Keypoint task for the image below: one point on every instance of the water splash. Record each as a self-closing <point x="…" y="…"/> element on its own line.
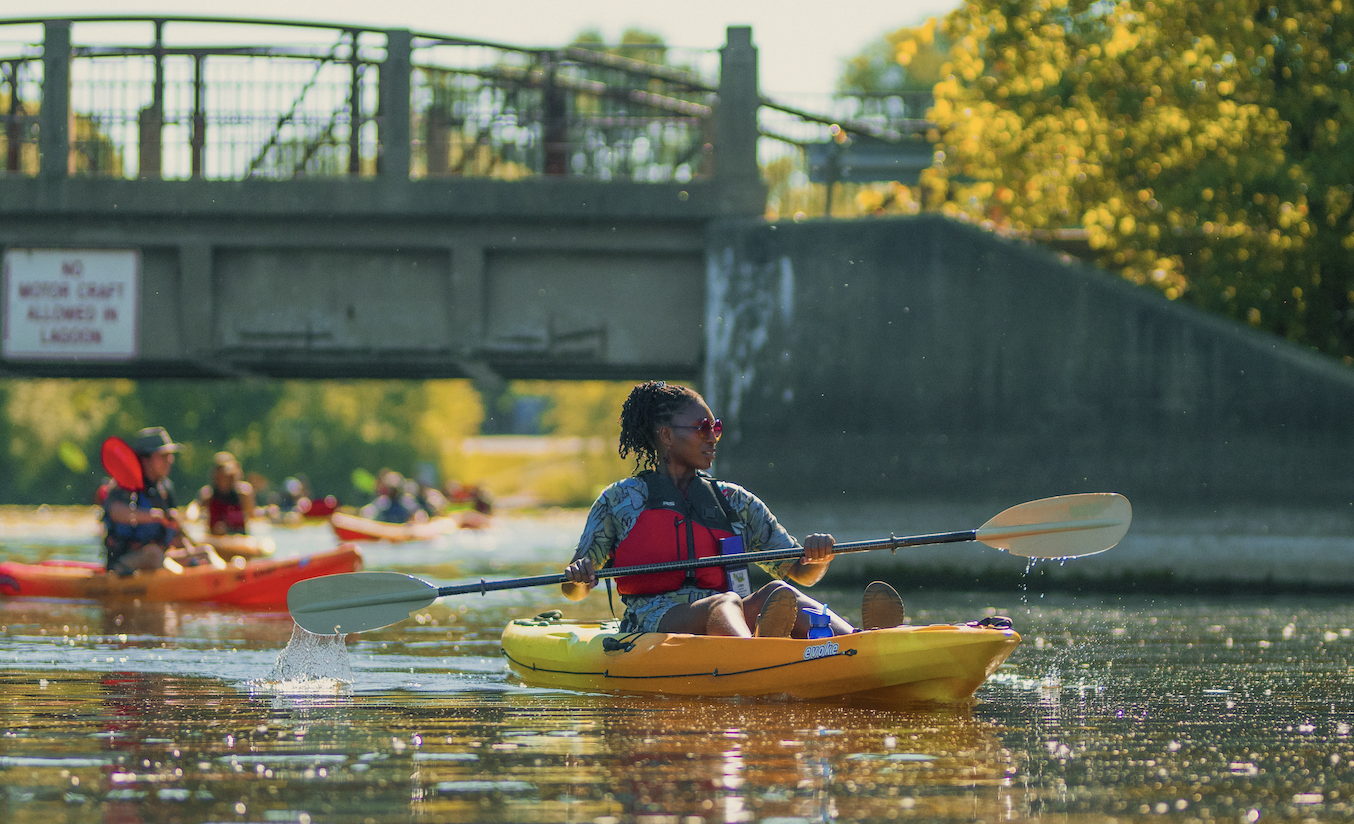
<point x="310" y="664"/>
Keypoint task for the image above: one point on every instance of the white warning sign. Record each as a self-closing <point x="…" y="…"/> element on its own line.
<point x="71" y="304"/>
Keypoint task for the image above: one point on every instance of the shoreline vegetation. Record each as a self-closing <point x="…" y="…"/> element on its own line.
<point x="542" y="442"/>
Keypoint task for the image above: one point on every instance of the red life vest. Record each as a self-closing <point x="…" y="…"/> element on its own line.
<point x="226" y="508"/>
<point x="674" y="527"/>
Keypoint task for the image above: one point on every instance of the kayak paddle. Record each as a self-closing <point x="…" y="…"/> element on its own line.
<point x="121" y="464"/>
<point x="1068" y="526"/>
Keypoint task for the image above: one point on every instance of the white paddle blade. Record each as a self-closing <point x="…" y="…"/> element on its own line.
<point x="1068" y="526"/>
<point x="356" y="601"/>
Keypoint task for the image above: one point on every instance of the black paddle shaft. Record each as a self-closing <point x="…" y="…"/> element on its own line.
<point x="737" y="559"/>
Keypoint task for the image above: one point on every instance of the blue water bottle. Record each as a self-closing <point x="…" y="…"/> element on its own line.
<point x="820" y="622"/>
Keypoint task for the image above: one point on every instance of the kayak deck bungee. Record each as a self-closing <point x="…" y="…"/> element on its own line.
<point x="262" y="583"/>
<point x="942" y="662"/>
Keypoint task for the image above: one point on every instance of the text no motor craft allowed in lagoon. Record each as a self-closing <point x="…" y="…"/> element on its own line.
<point x="71" y="303"/>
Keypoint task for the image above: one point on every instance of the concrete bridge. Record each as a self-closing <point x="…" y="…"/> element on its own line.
<point x="382" y="204"/>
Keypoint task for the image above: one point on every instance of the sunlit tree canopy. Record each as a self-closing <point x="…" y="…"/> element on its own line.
<point x="1205" y="147"/>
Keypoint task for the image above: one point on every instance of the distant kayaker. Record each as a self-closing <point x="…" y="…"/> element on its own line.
<point x="229" y="498"/>
<point x="393" y="505"/>
<point x="671" y="509"/>
<point x="141" y="526"/>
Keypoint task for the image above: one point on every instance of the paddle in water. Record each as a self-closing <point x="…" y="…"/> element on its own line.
<point x="1068" y="526"/>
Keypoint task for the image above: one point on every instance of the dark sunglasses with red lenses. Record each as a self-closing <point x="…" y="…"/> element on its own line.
<point x="704" y="427"/>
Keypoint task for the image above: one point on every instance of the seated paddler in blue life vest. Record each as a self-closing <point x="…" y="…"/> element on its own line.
<point x="393" y="505"/>
<point x="141" y="526"/>
<point x="673" y="510"/>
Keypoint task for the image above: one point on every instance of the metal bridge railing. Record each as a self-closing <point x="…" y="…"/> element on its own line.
<point x="571" y="112"/>
<point x="159" y="105"/>
<point x="233" y="99"/>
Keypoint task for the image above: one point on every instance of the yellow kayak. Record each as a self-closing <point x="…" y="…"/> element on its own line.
<point x="940" y="662"/>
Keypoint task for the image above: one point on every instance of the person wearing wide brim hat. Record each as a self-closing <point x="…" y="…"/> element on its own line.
<point x="141" y="525"/>
<point x="153" y="440"/>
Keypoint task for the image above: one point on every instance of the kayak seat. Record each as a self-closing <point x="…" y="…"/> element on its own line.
<point x="993" y="622"/>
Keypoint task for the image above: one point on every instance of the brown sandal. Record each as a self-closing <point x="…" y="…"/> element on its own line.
<point x="778" y="615"/>
<point x="881" y="607"/>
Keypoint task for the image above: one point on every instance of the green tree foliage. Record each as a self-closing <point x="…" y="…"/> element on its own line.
<point x="1205" y="147"/>
<point x="636" y="44"/>
<point x="51" y="430"/>
<point x="907" y="60"/>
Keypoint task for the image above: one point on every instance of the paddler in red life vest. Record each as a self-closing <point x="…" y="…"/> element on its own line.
<point x="673" y="510"/>
<point x="228" y="499"/>
<point x="142" y="525"/>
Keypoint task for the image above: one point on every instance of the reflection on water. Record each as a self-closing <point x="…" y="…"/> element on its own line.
<point x="1183" y="710"/>
<point x="146" y="747"/>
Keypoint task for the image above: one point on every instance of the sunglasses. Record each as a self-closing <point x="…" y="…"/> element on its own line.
<point x="704" y="427"/>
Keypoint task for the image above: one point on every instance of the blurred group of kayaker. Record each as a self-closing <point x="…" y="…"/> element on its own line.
<point x="143" y="526"/>
<point x="401" y="500"/>
<point x="673" y="510"/>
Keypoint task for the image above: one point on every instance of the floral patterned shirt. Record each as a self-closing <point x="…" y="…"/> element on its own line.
<point x="619" y="506"/>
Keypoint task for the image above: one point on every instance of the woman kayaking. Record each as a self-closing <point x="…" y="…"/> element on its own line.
<point x="229" y="498"/>
<point x="673" y="510"/>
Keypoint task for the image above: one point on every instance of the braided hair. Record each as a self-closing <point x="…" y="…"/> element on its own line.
<point x="649" y="406"/>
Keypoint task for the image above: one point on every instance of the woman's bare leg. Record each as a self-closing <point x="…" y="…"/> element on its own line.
<point x="721" y="614"/>
<point x="752" y="607"/>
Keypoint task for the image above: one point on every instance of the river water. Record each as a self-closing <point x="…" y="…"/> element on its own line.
<point x="1128" y="706"/>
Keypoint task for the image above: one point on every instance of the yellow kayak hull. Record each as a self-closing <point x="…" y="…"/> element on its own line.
<point x="942" y="662"/>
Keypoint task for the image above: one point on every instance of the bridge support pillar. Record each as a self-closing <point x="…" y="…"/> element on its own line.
<point x="394" y="130"/>
<point x="196" y="314"/>
<point x="54" y="139"/>
<point x="736" y="172"/>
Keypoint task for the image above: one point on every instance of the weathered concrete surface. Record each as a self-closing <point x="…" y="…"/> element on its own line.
<point x="417" y="279"/>
<point x="919" y="358"/>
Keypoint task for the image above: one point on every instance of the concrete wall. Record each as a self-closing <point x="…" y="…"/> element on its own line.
<point x="923" y="358"/>
<point x="418" y="279"/>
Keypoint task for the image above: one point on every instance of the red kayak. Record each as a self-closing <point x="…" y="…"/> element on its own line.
<point x="262" y="583"/>
<point x="354" y="528"/>
<point x="317" y="509"/>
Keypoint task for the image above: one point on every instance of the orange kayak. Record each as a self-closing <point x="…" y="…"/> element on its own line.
<point x="262" y="583"/>
<point x="354" y="528"/>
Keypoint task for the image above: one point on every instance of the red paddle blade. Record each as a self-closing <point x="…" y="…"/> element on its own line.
<point x="121" y="463"/>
